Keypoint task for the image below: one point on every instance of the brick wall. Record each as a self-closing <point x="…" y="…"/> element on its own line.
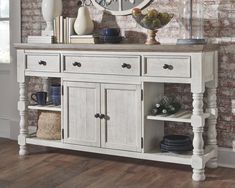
<point x="219" y="25"/>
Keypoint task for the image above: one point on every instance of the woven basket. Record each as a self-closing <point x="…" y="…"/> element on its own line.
<point x="49" y="125"/>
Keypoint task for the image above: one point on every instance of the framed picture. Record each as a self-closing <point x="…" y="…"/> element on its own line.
<point x="119" y="7"/>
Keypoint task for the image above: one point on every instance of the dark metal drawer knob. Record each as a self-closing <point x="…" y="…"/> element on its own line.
<point x="77" y="64"/>
<point x="125" y="65"/>
<point x="44" y="63"/>
<point x="102" y="116"/>
<point x="166" y="66"/>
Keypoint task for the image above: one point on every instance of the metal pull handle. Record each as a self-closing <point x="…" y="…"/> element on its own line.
<point x="44" y="63"/>
<point x="125" y="65"/>
<point x="77" y="64"/>
<point x="166" y="66"/>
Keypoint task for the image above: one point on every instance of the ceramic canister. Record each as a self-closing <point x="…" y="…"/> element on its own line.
<point x="51" y="9"/>
<point x="83" y="24"/>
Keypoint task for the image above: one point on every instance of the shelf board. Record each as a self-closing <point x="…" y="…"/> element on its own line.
<point x="154" y="155"/>
<point x="46" y="107"/>
<point x="181" y="116"/>
<point x="157" y="155"/>
<point x="43" y="142"/>
<point x="183" y="158"/>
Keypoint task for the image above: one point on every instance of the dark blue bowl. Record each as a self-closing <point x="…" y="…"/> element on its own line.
<point x="110" y="32"/>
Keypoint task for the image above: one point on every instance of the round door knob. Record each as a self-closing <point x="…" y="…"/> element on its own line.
<point x="97" y="115"/>
<point x="77" y="64"/>
<point x="102" y="116"/>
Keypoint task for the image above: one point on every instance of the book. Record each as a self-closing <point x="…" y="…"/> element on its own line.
<point x="65" y="31"/>
<point x="84" y="39"/>
<point x="41" y="39"/>
<point x="69" y="23"/>
<point x="57" y="29"/>
<point x="63" y="28"/>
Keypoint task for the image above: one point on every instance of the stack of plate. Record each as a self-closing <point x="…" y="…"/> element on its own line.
<point x="176" y="144"/>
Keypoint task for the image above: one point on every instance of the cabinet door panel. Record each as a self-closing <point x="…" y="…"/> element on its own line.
<point x="121" y="128"/>
<point x="82" y="102"/>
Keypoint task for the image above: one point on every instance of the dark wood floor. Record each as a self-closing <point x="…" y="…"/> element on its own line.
<point x="67" y="169"/>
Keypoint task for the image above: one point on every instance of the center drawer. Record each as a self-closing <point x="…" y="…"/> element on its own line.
<point x="93" y="64"/>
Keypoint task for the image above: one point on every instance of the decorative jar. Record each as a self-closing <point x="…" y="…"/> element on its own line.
<point x="50" y="10"/>
<point x="191" y="22"/>
<point x="83" y="24"/>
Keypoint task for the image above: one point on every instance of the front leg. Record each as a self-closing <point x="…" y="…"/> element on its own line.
<point x="198" y="123"/>
<point x="212" y="120"/>
<point x="23" y="111"/>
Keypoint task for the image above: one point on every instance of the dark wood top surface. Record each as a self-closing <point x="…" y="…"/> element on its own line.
<point x="119" y="47"/>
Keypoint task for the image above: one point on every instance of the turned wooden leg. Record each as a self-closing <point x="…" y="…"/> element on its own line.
<point x="212" y="120"/>
<point x="198" y="123"/>
<point x="23" y="111"/>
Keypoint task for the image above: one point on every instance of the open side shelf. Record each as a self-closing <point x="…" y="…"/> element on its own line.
<point x="49" y="107"/>
<point x="182" y="158"/>
<point x="181" y="116"/>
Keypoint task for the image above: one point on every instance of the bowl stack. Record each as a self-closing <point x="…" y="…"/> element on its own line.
<point x="176" y="144"/>
<point x="110" y="35"/>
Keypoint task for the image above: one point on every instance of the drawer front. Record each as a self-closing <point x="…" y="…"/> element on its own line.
<point x="167" y="66"/>
<point x="91" y="64"/>
<point x="40" y="62"/>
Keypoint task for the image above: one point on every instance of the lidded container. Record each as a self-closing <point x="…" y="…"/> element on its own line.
<point x="191" y="22"/>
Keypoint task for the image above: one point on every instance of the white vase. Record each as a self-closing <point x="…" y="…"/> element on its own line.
<point x="83" y="24"/>
<point x="50" y="10"/>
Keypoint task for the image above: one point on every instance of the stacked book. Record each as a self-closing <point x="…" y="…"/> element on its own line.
<point x="63" y="29"/>
<point x="41" y="39"/>
<point x="84" y="39"/>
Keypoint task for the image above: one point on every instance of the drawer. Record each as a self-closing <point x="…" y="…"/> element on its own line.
<point x="43" y="62"/>
<point x="92" y="64"/>
<point x="167" y="66"/>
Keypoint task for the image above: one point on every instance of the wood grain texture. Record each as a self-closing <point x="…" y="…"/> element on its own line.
<point x="121" y="128"/>
<point x="179" y="67"/>
<point x="120" y="47"/>
<point x="62" y="169"/>
<point x="81" y="103"/>
<point x="102" y="64"/>
<point x="52" y="62"/>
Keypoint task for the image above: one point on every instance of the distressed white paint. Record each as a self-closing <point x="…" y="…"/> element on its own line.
<point x="115" y="94"/>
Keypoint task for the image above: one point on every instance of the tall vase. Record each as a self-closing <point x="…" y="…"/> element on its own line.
<point x="83" y="24"/>
<point x="50" y="10"/>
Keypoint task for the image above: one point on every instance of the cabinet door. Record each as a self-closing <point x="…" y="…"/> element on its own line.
<point x="121" y="127"/>
<point x="81" y="103"/>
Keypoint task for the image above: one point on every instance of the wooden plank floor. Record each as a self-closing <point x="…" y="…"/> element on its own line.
<point x="67" y="169"/>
